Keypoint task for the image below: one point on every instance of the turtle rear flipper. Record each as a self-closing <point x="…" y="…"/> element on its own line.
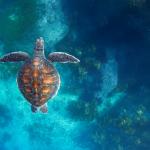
<point x="62" y="58"/>
<point x="44" y="108"/>
<point x="15" y="56"/>
<point x="34" y="109"/>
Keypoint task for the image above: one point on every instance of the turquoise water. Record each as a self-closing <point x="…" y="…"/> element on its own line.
<point x="103" y="102"/>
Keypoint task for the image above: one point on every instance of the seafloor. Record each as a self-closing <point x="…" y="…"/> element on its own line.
<point x="104" y="101"/>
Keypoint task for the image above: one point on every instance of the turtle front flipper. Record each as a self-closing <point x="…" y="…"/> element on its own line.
<point x="15" y="56"/>
<point x="62" y="58"/>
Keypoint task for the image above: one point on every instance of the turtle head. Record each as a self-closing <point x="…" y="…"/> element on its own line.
<point x="39" y="44"/>
<point x="39" y="47"/>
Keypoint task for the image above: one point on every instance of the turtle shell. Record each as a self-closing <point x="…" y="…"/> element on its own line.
<point x="38" y="81"/>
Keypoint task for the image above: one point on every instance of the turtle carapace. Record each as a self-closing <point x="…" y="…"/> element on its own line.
<point x="38" y="80"/>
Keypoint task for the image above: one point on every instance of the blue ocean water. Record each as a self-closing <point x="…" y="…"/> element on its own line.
<point x="103" y="102"/>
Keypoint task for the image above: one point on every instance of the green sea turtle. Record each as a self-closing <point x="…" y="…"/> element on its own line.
<point x="38" y="80"/>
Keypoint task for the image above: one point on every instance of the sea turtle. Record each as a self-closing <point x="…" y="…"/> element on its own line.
<point x="38" y="80"/>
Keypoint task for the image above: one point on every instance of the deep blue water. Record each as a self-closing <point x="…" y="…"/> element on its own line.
<point x="104" y="101"/>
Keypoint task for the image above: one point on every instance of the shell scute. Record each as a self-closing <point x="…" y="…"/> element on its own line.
<point x="38" y="81"/>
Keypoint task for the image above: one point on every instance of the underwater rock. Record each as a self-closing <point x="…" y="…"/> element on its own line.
<point x="109" y="75"/>
<point x="92" y="63"/>
<point x="122" y="122"/>
<point x="82" y="111"/>
<point x="24" y="21"/>
<point x="52" y="23"/>
<point x="110" y="102"/>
